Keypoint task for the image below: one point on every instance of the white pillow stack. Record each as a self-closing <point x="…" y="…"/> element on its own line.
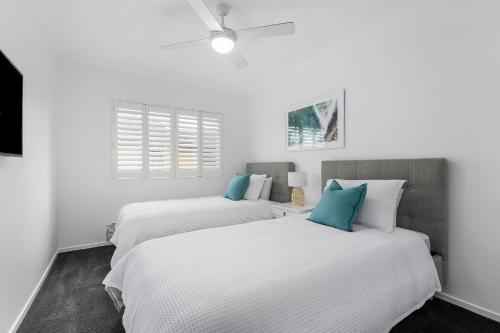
<point x="379" y="211"/>
<point x="265" y="193"/>
<point x="254" y="187"/>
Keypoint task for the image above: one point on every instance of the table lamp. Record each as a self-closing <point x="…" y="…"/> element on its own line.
<point x="297" y="180"/>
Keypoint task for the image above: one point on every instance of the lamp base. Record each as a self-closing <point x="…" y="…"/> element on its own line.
<point x="298" y="197"/>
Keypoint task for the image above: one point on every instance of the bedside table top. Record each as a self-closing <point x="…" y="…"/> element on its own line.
<point x="299" y="209"/>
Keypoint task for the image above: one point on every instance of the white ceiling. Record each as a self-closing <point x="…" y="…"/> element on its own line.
<point x="128" y="33"/>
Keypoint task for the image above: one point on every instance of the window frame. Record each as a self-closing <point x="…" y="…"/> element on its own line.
<point x="174" y="172"/>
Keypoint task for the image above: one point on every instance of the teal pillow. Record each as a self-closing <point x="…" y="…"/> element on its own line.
<point x="237" y="187"/>
<point x="338" y="208"/>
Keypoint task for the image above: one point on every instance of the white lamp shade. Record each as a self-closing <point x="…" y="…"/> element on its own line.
<point x="297" y="179"/>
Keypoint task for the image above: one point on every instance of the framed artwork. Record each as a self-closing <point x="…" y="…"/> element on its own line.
<point x="317" y="123"/>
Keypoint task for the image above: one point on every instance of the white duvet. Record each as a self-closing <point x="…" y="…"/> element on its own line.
<point x="142" y="221"/>
<point x="284" y="275"/>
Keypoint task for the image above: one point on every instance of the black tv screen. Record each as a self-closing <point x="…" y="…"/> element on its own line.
<point x="11" y="108"/>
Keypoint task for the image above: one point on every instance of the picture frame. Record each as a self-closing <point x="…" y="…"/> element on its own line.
<point x="316" y="123"/>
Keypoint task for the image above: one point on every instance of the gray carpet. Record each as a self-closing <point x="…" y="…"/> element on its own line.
<point x="72" y="299"/>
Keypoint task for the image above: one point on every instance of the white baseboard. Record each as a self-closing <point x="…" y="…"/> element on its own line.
<point x="83" y="246"/>
<point x="32" y="297"/>
<point x="469" y="306"/>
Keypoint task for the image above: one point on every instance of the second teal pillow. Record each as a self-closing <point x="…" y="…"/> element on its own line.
<point x="237" y="187"/>
<point x="338" y="208"/>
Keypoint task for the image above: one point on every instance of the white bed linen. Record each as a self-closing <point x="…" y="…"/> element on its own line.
<point x="426" y="238"/>
<point x="284" y="275"/>
<point x="142" y="221"/>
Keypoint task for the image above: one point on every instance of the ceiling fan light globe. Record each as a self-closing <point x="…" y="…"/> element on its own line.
<point x="222" y="44"/>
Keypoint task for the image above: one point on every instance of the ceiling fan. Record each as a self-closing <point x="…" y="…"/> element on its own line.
<point x="224" y="39"/>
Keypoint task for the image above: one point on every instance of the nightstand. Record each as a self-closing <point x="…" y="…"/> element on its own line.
<point x="287" y="209"/>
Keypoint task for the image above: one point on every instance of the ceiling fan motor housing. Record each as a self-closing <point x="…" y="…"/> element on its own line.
<point x="226" y="32"/>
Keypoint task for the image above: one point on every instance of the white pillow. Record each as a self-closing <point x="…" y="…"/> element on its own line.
<point x="254" y="187"/>
<point x="265" y="193"/>
<point x="379" y="211"/>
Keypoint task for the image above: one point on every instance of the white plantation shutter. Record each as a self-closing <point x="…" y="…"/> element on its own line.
<point x="128" y="143"/>
<point x="187" y="142"/>
<point x="211" y="143"/>
<point x="160" y="141"/>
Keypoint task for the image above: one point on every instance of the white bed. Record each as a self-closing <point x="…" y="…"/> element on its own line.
<point x="280" y="275"/>
<point x="139" y="222"/>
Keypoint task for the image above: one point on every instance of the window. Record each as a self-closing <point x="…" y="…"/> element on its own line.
<point x="129" y="139"/>
<point x="160" y="142"/>
<point x="188" y="142"/>
<point x="211" y="134"/>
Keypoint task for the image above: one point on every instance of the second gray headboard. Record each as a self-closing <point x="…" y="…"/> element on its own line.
<point x="280" y="192"/>
<point x="423" y="205"/>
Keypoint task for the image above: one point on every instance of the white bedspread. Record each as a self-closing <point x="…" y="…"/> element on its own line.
<point x="284" y="275"/>
<point x="142" y="221"/>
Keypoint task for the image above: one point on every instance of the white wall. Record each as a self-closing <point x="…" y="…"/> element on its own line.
<point x="28" y="236"/>
<point x="87" y="196"/>
<point x="426" y="86"/>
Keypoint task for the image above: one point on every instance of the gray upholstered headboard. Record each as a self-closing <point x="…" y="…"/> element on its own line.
<point x="423" y="205"/>
<point x="280" y="192"/>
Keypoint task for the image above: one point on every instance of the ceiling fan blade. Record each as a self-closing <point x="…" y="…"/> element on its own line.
<point x="237" y="58"/>
<point x="279" y="29"/>
<point x="183" y="45"/>
<point x="205" y="14"/>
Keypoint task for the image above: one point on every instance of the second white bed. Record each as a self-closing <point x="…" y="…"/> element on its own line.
<point x="284" y="275"/>
<point x="142" y="221"/>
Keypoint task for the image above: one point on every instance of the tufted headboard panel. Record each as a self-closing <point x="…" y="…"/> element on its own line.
<point x="423" y="206"/>
<point x="280" y="192"/>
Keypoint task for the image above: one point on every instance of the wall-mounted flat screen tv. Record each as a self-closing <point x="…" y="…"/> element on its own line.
<point x="11" y="108"/>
